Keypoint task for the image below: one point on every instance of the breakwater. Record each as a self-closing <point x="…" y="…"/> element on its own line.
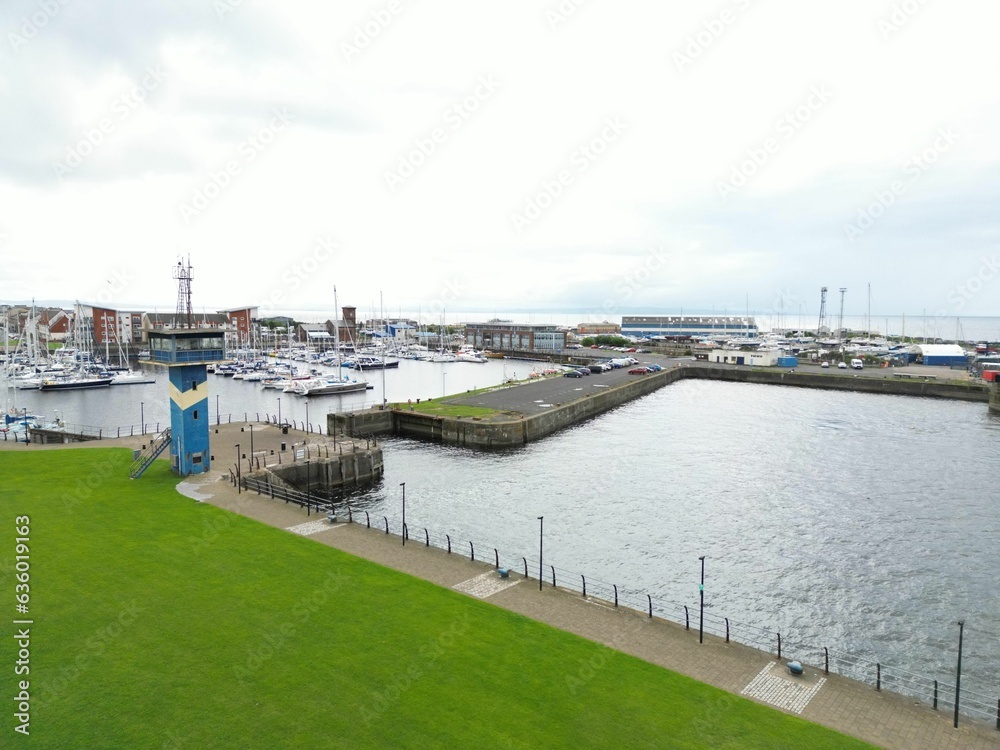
<point x="509" y="432"/>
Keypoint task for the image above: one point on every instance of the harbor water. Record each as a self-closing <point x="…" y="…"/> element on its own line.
<point x="863" y="523"/>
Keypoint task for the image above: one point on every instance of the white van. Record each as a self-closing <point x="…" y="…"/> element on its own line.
<point x="857" y="364"/>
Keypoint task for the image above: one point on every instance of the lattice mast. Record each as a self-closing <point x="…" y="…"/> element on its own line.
<point x="184" y="311"/>
<point x="840" y="321"/>
<point x="822" y="311"/>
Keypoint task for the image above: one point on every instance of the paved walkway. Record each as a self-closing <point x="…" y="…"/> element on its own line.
<point x="885" y="719"/>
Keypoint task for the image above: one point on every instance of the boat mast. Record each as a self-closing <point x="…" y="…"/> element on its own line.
<point x="385" y="331"/>
<point x="336" y="334"/>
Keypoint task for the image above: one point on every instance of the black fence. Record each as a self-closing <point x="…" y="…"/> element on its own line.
<point x="939" y="694"/>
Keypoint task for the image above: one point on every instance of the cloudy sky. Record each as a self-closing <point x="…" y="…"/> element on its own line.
<point x="587" y="155"/>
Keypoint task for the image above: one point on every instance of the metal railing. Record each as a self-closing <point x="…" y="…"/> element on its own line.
<point x="936" y="693"/>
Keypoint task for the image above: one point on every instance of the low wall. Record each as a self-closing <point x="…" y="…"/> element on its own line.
<point x="860" y="384"/>
<point x="995" y="398"/>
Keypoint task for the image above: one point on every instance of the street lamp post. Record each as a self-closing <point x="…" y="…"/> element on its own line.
<point x="251" y="446"/>
<point x="701" y="591"/>
<point x="218" y="419"/>
<point x="958" y="671"/>
<point x="142" y="416"/>
<point x="279" y="409"/>
<point x="239" y="489"/>
<point x="307" y="415"/>
<point x="541" y="525"/>
<point x="403" y="485"/>
<point x="308" y="487"/>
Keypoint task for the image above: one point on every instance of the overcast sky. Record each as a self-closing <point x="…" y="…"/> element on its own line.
<point x="605" y="157"/>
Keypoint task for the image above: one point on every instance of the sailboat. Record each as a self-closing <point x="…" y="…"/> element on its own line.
<point x="330" y="385"/>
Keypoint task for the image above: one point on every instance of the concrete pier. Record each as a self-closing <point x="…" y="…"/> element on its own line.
<point x="533" y="410"/>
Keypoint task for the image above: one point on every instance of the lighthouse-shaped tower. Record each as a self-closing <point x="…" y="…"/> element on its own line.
<point x="186" y="350"/>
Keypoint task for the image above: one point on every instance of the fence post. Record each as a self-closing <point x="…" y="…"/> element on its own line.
<point x="119" y="432"/>
<point x="406" y="531"/>
<point x="427" y="538"/>
<point x="386" y="524"/>
<point x="826" y="669"/>
<point x="525" y="561"/>
<point x="368" y="520"/>
<point x="448" y="537"/>
<point x="935" y="695"/>
<point x="584" y="586"/>
<point x="472" y="551"/>
<point x="496" y="558"/>
<point x="779" y="646"/>
<point x="616" y="593"/>
<point x="687" y="618"/>
<point x="878" y="676"/>
<point x="650" y="605"/>
<point x="350" y="515"/>
<point x="727" y="629"/>
<point x="553" y="575"/>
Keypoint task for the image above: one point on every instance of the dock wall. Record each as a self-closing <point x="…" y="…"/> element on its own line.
<point x="342" y="470"/>
<point x="995" y="398"/>
<point x="510" y="433"/>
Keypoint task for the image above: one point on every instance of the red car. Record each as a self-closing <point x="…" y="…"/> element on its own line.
<point x="638" y="371"/>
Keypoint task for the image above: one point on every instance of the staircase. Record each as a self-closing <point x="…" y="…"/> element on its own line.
<point x="146" y="458"/>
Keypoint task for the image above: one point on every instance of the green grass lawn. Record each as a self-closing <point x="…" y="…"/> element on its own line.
<point x="160" y="622"/>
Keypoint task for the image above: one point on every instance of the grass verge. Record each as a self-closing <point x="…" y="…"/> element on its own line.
<point x="162" y="622"/>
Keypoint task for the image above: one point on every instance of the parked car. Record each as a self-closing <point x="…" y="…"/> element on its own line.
<point x="825" y="365"/>
<point x="654" y="367"/>
<point x="638" y="371"/>
<point x="583" y="370"/>
<point x="842" y="365"/>
<point x="857" y="364"/>
<point x="596" y="369"/>
<point x="572" y="374"/>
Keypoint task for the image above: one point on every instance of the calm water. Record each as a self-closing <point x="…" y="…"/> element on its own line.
<point x="868" y="524"/>
<point x="130" y="404"/>
<point x="864" y="523"/>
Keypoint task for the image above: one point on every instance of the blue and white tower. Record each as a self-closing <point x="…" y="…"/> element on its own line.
<point x="186" y="351"/>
